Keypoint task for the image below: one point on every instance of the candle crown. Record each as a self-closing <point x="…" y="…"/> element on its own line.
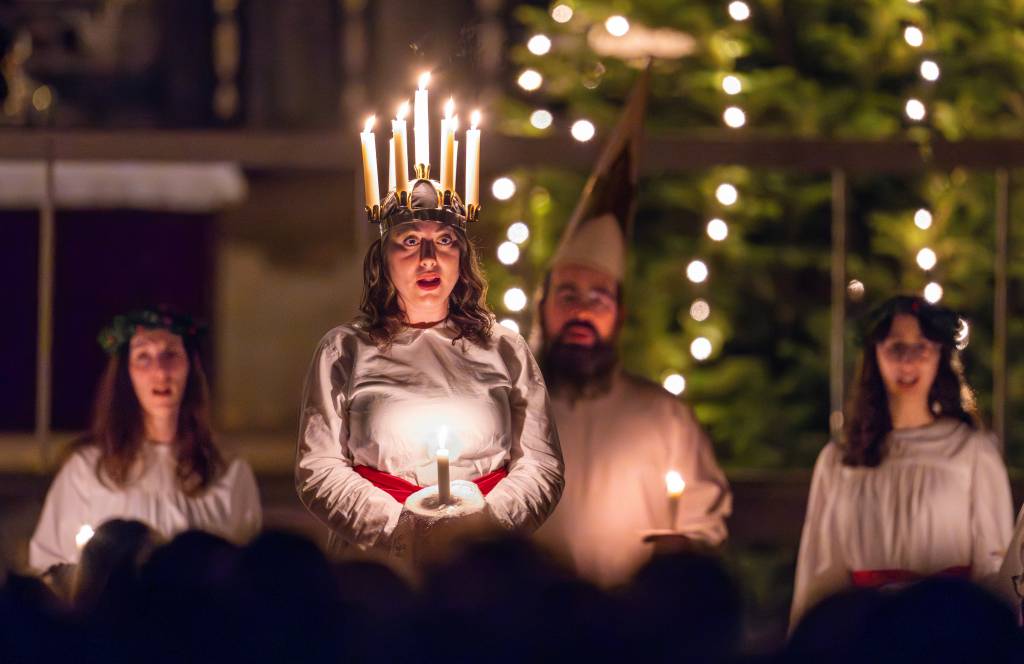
<point x="426" y="199"/>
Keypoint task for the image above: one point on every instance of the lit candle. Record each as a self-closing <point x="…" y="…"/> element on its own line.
<point x="83" y="535"/>
<point x="455" y="165"/>
<point x="448" y="147"/>
<point x="674" y="485"/>
<point x="444" y="489"/>
<point x="370" y="164"/>
<point x="391" y="164"/>
<point x="398" y="134"/>
<point x="421" y="123"/>
<point x="473" y="161"/>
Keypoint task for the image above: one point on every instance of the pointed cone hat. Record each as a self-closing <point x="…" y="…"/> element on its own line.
<point x="599" y="227"/>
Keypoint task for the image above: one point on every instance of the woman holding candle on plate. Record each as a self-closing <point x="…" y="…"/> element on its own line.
<point x="149" y="455"/>
<point x="915" y="488"/>
<point x="423" y="384"/>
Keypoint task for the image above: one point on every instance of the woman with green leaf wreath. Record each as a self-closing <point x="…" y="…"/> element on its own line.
<point x="149" y="455"/>
<point x="916" y="488"/>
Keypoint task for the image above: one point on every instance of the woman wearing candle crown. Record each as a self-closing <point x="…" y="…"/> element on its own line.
<point x="423" y="368"/>
<point x="150" y="454"/>
<point x="915" y="488"/>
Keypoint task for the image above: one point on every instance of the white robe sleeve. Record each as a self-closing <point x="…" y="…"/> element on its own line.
<point x="524" y="500"/>
<point x="991" y="510"/>
<point x="65" y="511"/>
<point x="820" y="567"/>
<point x="707" y="500"/>
<point x="1013" y="565"/>
<point x="329" y="487"/>
<point x="246" y="513"/>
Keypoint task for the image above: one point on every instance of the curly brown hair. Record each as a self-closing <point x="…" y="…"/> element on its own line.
<point x="117" y="427"/>
<point x="870" y="419"/>
<point x="381" y="314"/>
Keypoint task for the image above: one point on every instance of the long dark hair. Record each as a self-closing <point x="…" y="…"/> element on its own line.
<point x="118" y="431"/>
<point x="870" y="420"/>
<point x="382" y="317"/>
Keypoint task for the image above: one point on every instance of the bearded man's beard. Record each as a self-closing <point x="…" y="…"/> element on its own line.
<point x="577" y="371"/>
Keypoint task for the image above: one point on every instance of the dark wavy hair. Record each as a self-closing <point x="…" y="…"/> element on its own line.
<point x="118" y="431"/>
<point x="870" y="420"/>
<point x="381" y="314"/>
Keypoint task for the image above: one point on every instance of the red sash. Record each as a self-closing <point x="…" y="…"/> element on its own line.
<point x="879" y="578"/>
<point x="400" y="490"/>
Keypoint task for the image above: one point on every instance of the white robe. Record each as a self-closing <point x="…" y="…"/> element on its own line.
<point x="1013" y="565"/>
<point x="939" y="499"/>
<point x="230" y="507"/>
<point x="385" y="410"/>
<point x="618" y="448"/>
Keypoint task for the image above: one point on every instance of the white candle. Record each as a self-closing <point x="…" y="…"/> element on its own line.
<point x="674" y="485"/>
<point x="473" y="161"/>
<point x="448" y="147"/>
<point x="370" y="186"/>
<point x="391" y="164"/>
<point x="444" y="488"/>
<point x="398" y="134"/>
<point x="83" y="535"/>
<point x="455" y="165"/>
<point x="421" y="121"/>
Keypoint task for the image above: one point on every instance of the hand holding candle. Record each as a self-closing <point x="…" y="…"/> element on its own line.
<point x="443" y="479"/>
<point x="674" y="485"/>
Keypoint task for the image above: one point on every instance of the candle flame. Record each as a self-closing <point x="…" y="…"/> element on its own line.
<point x="454" y="123"/>
<point x="424" y="80"/>
<point x="474" y="119"/>
<point x="403" y="110"/>
<point x="449" y="108"/>
<point x="83" y="535"/>
<point x="370" y="121"/>
<point x="442" y="437"/>
<point x="674" y="483"/>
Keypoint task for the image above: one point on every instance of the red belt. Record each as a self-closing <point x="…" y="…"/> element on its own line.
<point x="879" y="578"/>
<point x="400" y="490"/>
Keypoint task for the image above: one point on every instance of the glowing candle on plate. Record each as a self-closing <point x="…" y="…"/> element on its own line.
<point x="674" y="485"/>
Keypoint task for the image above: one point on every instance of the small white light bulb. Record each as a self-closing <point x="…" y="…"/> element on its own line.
<point x="697" y="271"/>
<point x="674" y="383"/>
<point x="583" y="130"/>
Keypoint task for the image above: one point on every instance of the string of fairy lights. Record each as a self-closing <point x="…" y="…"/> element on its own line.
<point x="717" y="228"/>
<point x="503" y="188"/>
<point x="515" y="299"/>
<point x="916" y="111"/>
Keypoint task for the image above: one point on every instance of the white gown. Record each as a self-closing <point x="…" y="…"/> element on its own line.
<point x="940" y="499"/>
<point x="386" y="410"/>
<point x="1013" y="565"/>
<point x="230" y="507"/>
<point x="617" y="450"/>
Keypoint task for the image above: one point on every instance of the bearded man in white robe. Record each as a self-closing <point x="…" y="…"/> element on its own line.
<point x="620" y="434"/>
